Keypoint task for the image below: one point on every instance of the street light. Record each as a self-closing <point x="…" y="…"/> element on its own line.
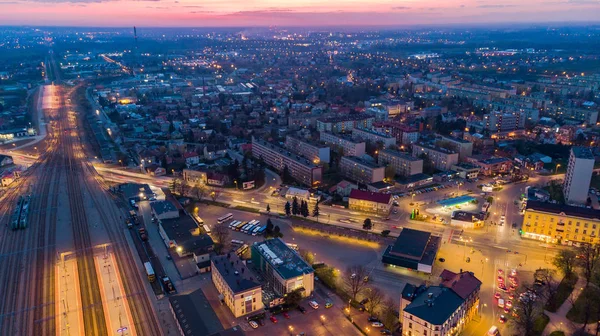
<point x="556" y="169"/>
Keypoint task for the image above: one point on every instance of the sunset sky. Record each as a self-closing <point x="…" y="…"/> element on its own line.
<point x="227" y="13"/>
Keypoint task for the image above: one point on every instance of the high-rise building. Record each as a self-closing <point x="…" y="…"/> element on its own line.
<point x="579" y="175"/>
<point x="504" y="121"/>
<point x="404" y="164"/>
<point x="443" y="159"/>
<point x="360" y="170"/>
<point x="344" y="142"/>
<point x="312" y="151"/>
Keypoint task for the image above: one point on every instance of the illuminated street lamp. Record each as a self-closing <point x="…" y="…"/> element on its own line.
<point x="556" y="169"/>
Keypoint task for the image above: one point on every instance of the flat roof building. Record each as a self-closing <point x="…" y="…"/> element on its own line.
<point x="348" y="146"/>
<point x="403" y="163"/>
<point x="579" y="175"/>
<point x="372" y="136"/>
<point x="300" y="168"/>
<point x="360" y="170"/>
<point x="443" y="159"/>
<point x="239" y="290"/>
<point x="283" y="267"/>
<point x="464" y="148"/>
<point x="413" y="249"/>
<point x="368" y="201"/>
<point x="312" y="151"/>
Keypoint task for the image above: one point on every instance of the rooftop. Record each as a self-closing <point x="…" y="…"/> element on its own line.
<point x="466" y="216"/>
<point x="161" y="207"/>
<point x="454" y="139"/>
<point x="379" y="134"/>
<point x="403" y="155"/>
<point x="434" y="148"/>
<point x="132" y="190"/>
<point x="360" y="161"/>
<point x="411" y="243"/>
<point x="194" y="314"/>
<point x="179" y="229"/>
<point x="282" y="258"/>
<point x="348" y="117"/>
<point x="370" y="196"/>
<point x="235" y="273"/>
<point x="494" y="160"/>
<point x="435" y="305"/>
<point x="283" y="151"/>
<point x="463" y="283"/>
<point x="582" y="153"/>
<point x="450" y="202"/>
<point x="567" y="210"/>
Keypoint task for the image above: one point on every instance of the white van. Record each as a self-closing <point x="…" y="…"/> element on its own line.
<point x="501" y="303"/>
<point x="493" y="331"/>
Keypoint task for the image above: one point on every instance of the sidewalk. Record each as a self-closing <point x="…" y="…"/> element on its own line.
<point x="559" y="321"/>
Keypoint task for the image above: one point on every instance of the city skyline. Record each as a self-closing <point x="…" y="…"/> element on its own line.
<point x="232" y="13"/>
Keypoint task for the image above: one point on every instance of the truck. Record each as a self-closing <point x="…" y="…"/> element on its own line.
<point x="143" y="234"/>
<point x="168" y="285"/>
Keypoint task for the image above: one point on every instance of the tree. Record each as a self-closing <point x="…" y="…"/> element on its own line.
<point x="368" y="224"/>
<point x="588" y="261"/>
<point x="389" y="314"/>
<point x="288" y="208"/>
<point x="307" y="256"/>
<point x="316" y="210"/>
<point x="175" y="183"/>
<point x="565" y="261"/>
<point x="295" y="207"/>
<point x="200" y="191"/>
<point x="353" y="280"/>
<point x="293" y="298"/>
<point x="221" y="233"/>
<point x="269" y="228"/>
<point x="428" y="166"/>
<point x="268" y="208"/>
<point x="276" y="231"/>
<point x="328" y="276"/>
<point x="376" y="297"/>
<point x="545" y="277"/>
<point x="285" y="175"/>
<point x="528" y="311"/>
<point x="215" y="193"/>
<point x="304" y="209"/>
<point x="385" y="233"/>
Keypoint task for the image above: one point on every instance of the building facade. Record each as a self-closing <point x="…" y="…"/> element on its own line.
<point x="372" y="136"/>
<point x="443" y="159"/>
<point x="404" y="164"/>
<point x="313" y="152"/>
<point x="560" y="224"/>
<point x="300" y="168"/>
<point x="346" y="143"/>
<point x="371" y="202"/>
<point x="504" y="121"/>
<point x="578" y="175"/>
<point x="464" y="148"/>
<point x="344" y="123"/>
<point x="238" y="290"/>
<point x="360" y="170"/>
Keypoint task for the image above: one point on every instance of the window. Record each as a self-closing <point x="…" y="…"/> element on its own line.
<point x="425" y="332"/>
<point x="551" y="220"/>
<point x="576" y="230"/>
<point x="578" y="223"/>
<point x="410" y="326"/>
<point x="584" y="231"/>
<point x="585" y="225"/>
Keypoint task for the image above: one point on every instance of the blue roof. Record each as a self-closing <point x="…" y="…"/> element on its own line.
<point x="450" y="202"/>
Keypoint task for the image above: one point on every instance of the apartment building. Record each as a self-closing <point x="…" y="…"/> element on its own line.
<point x="464" y="148"/>
<point x="504" y="121"/>
<point x="371" y="202"/>
<point x="282" y="267"/>
<point x="493" y="165"/>
<point x="589" y="116"/>
<point x="443" y="159"/>
<point x="373" y="136"/>
<point x="360" y="170"/>
<point x="404" y="134"/>
<point x="239" y="290"/>
<point x="345" y="123"/>
<point x="345" y="142"/>
<point x="560" y="224"/>
<point x="579" y="175"/>
<point x="312" y="151"/>
<point x="300" y="168"/>
<point x="404" y="164"/>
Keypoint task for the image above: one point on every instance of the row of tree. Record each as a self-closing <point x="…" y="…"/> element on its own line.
<point x="299" y="208"/>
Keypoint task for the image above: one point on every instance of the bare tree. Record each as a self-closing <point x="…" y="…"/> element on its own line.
<point x="588" y="261"/>
<point x="176" y="182"/>
<point x="307" y="256"/>
<point x="221" y="233"/>
<point x="353" y="280"/>
<point x="215" y="193"/>
<point x="544" y="278"/>
<point x="200" y="191"/>
<point x="528" y="309"/>
<point x="376" y="297"/>
<point x="565" y="261"/>
<point x="389" y="314"/>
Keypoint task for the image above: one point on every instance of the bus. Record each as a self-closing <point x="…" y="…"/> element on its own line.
<point x="206" y="228"/>
<point x="245" y="227"/>
<point x="240" y="226"/>
<point x="261" y="230"/>
<point x="241" y="250"/>
<point x="235" y="242"/>
<point x="150" y="271"/>
<point x="255" y="230"/>
<point x="233" y="224"/>
<point x="225" y="218"/>
<point x="250" y="229"/>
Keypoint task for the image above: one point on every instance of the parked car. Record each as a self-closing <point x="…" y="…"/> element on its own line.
<point x="373" y="319"/>
<point x="377" y="324"/>
<point x="286" y="315"/>
<point x="302" y="309"/>
<point x="313" y="304"/>
<point x="273" y="319"/>
<point x="253" y="324"/>
<point x="328" y="304"/>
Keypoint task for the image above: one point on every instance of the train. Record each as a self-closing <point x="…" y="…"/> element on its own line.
<point x="20" y="216"/>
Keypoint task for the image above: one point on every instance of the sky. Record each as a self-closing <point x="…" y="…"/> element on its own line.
<point x="244" y="13"/>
